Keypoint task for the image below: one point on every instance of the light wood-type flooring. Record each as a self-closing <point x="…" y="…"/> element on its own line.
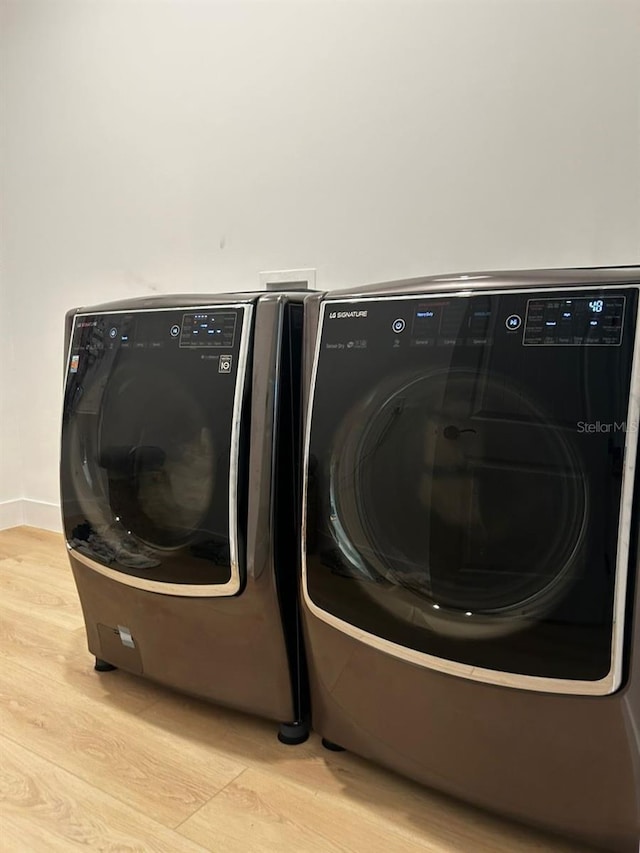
<point x="110" y="762"/>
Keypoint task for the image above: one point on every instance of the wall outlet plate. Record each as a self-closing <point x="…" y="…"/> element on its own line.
<point x="288" y="279"/>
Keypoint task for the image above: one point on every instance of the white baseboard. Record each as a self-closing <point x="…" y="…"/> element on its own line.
<point x="44" y="515"/>
<point x="31" y="513"/>
<point x="11" y="514"/>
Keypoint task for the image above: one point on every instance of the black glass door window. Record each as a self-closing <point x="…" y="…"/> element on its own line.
<point x="149" y="452"/>
<point x="464" y="475"/>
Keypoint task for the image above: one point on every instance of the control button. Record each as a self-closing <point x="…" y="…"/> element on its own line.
<point x="224" y="365"/>
<point x="113" y="332"/>
<point x="398" y="325"/>
<point x="175" y="331"/>
<point x="513" y="322"/>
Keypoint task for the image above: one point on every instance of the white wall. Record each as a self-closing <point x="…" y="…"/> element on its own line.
<point x="185" y="145"/>
<point x="10" y="458"/>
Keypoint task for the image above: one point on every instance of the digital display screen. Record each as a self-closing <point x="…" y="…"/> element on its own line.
<point x="587" y="321"/>
<point x="451" y="322"/>
<point x="426" y="322"/>
<point x="208" y="329"/>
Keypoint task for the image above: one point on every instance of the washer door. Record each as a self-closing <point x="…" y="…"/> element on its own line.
<point x="157" y="450"/>
<point x="151" y="448"/>
<point x="469" y="482"/>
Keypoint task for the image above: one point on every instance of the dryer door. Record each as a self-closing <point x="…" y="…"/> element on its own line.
<point x="466" y="504"/>
<point x="152" y="455"/>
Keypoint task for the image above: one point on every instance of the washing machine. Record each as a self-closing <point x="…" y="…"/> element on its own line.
<point x="180" y="496"/>
<point x="470" y="594"/>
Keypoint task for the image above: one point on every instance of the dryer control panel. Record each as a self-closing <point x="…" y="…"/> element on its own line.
<point x="589" y="321"/>
<point x="577" y="319"/>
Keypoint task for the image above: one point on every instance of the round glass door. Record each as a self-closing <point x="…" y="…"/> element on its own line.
<point x="148" y="456"/>
<point x="158" y="456"/>
<point x="477" y="511"/>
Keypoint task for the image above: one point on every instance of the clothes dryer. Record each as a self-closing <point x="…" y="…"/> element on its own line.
<point x="179" y="473"/>
<point x="470" y="588"/>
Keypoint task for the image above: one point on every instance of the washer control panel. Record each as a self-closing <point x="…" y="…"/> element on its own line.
<point x="208" y="329"/>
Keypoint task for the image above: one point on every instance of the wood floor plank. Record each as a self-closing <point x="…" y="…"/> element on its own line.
<point x="45" y="808"/>
<point x="30" y="641"/>
<point x="52" y="564"/>
<point x="266" y="814"/>
<point x="438" y="819"/>
<point x="164" y="774"/>
<point x="20" y="540"/>
<point x="47" y="557"/>
<point x="343" y="774"/>
<point x="27" y="586"/>
<point x="139" y="755"/>
<point x="235" y="735"/>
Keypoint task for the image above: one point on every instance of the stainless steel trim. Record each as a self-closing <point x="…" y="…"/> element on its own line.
<point x="175" y="589"/>
<point x="275" y="419"/>
<point x="235" y="582"/>
<point x="69" y="348"/>
<point x="189" y="308"/>
<point x="626" y="509"/>
<point x="612" y="681"/>
<point x="467" y="291"/>
<point x="233" y="585"/>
